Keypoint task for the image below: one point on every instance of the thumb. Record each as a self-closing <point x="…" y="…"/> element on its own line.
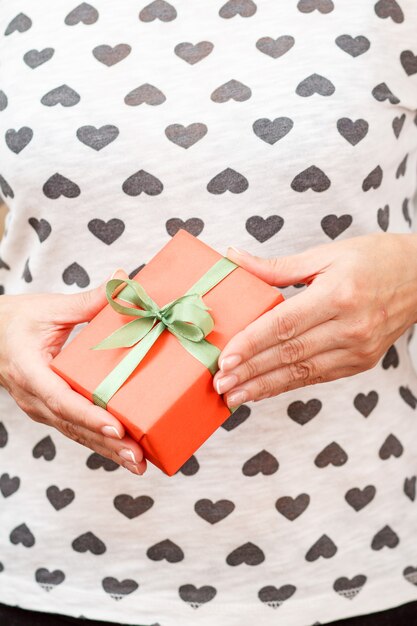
<point x="282" y="271"/>
<point x="83" y="306"/>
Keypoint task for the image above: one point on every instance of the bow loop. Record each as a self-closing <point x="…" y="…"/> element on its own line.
<point x="186" y="316"/>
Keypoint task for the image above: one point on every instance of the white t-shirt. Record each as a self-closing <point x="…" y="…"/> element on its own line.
<point x="271" y="126"/>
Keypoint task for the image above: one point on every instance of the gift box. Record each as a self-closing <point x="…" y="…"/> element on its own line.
<point x="167" y="403"/>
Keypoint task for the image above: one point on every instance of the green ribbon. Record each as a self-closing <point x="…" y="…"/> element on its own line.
<point x="186" y="317"/>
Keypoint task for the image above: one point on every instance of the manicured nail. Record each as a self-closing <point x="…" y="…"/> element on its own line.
<point x="237" y="397"/>
<point x="239" y="250"/>
<point x="119" y="269"/>
<point x="111" y="431"/>
<point x="225" y="383"/>
<point x="132" y="468"/>
<point x="229" y="362"/>
<point x="128" y="455"/>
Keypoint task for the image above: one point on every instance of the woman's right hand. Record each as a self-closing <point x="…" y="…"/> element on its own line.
<point x="33" y="328"/>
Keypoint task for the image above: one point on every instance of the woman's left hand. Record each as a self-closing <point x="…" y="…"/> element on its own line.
<point x="361" y="296"/>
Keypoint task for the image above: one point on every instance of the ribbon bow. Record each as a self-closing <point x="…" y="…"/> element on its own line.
<point x="186" y="317"/>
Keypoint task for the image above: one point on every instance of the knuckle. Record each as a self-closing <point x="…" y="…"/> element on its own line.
<point x="361" y="331"/>
<point x="70" y="430"/>
<point x="249" y="370"/>
<point x="344" y="296"/>
<point x="54" y="404"/>
<point x="291" y="351"/>
<point x="264" y="387"/>
<point x="252" y="342"/>
<point x="301" y="371"/>
<point x="284" y="327"/>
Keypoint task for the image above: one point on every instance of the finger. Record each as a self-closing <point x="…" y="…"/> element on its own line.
<point x="66" y="403"/>
<point x="123" y="451"/>
<point x="322" y="338"/>
<point x="127" y="451"/>
<point x="287" y="320"/>
<point x="321" y="368"/>
<point x="81" y="307"/>
<point x="283" y="270"/>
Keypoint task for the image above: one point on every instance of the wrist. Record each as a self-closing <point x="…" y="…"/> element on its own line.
<point x="408" y="251"/>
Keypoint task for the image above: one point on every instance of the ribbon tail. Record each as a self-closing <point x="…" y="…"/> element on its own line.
<point x="206" y="353"/>
<point x="121" y="372"/>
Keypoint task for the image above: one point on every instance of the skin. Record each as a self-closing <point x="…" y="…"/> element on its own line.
<point x="361" y="295"/>
<point x="34" y="327"/>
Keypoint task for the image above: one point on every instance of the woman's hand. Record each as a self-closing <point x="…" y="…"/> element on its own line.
<point x="361" y="296"/>
<point x="33" y="328"/>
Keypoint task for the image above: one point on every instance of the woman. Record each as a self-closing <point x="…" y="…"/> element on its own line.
<point x="283" y="129"/>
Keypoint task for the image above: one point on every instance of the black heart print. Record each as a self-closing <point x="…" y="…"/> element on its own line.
<point x="196" y="596"/>
<point x="75" y="274"/>
<point x="41" y="227"/>
<point x="89" y="542"/>
<point x="291" y="508"/>
<point x="118" y="589"/>
<point x="334" y="226"/>
<point x="58" y="185"/>
<point x="159" y="9"/>
<point x="142" y="182"/>
<point x="63" y="95"/>
<point x="315" y="84"/>
<point x="391" y="447"/>
<point x="96" y="461"/>
<point x="49" y="579"/>
<point x="382" y="92"/>
<point x="232" y="90"/>
<point x="352" y="131"/>
<point x="311" y="178"/>
<point x="97" y="138"/>
<point x="264" y="462"/>
<point x="302" y="412"/>
<point x="323" y="6"/>
<point x="365" y="403"/>
<point x="408" y="396"/>
<point x="83" y="13"/>
<point x="264" y="228"/>
<point x="132" y="507"/>
<point x="389" y="9"/>
<point x="332" y="454"/>
<point x="19" y="24"/>
<point x="108" y="232"/>
<point x="237" y="418"/>
<point x="349" y="587"/>
<point x="109" y="55"/>
<point x="45" y="448"/>
<point x="228" y="180"/>
<point x="323" y="547"/>
<point x="22" y="535"/>
<point x="385" y="537"/>
<point x="9" y="485"/>
<point x="193" y="225"/>
<point x="193" y="53"/>
<point x="145" y="94"/>
<point x="248" y="553"/>
<point x="359" y="498"/>
<point x="410" y="488"/>
<point x="213" y="512"/>
<point x="274" y="597"/>
<point x="355" y="46"/>
<point x="244" y="8"/>
<point x="35" y="58"/>
<point x="165" y="550"/>
<point x="59" y="498"/>
<point x="275" y="48"/>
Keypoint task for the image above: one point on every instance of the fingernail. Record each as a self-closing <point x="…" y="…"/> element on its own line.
<point x="237" y="397"/>
<point x="225" y="383"/>
<point x="229" y="362"/>
<point x="119" y="269"/>
<point x="111" y="431"/>
<point x="132" y="468"/>
<point x="128" y="455"/>
<point x="239" y="250"/>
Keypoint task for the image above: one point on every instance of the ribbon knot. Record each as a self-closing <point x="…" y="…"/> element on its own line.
<point x="186" y="316"/>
